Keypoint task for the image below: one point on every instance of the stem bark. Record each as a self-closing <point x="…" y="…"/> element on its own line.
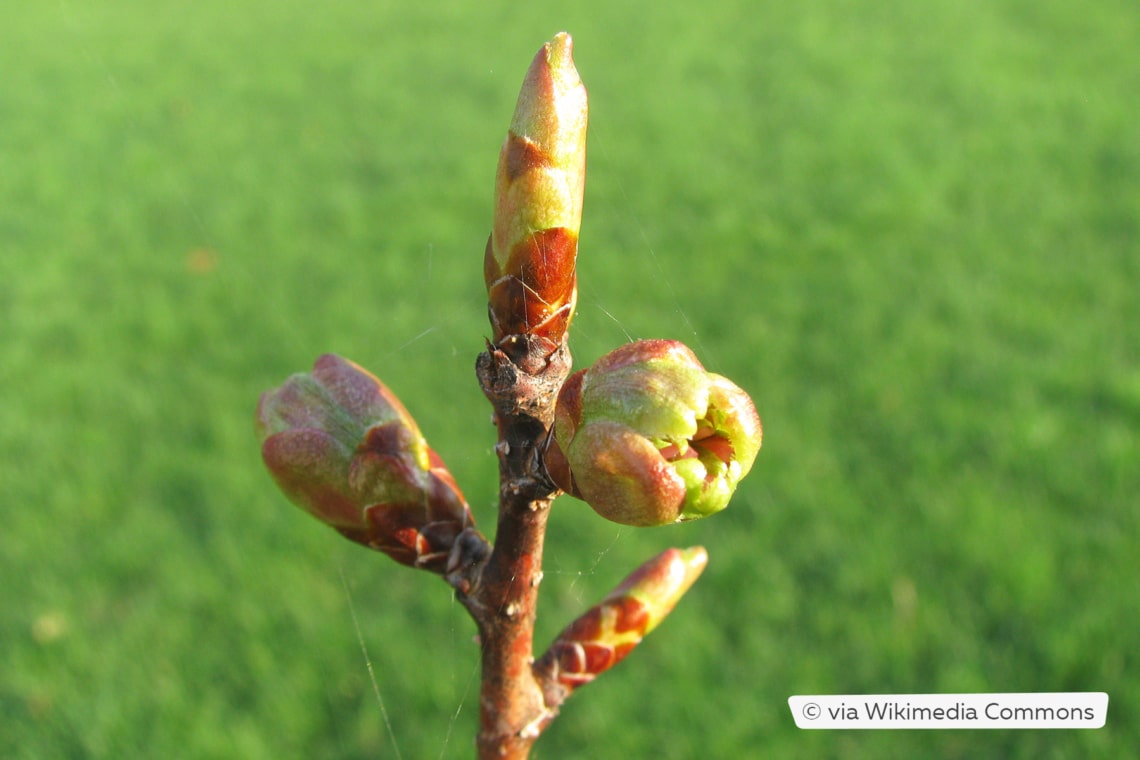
<point x="521" y="377"/>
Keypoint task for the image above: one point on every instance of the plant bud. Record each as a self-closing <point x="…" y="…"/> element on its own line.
<point x="529" y="263"/>
<point x="608" y="631"/>
<point x="646" y="436"/>
<point x="341" y="446"/>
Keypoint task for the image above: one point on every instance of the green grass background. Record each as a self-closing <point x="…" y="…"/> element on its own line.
<point x="909" y="230"/>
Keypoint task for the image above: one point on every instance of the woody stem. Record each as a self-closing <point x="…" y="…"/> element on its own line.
<point x="521" y="380"/>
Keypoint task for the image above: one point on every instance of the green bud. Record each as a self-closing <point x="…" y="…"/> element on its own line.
<point x="648" y="437"/>
<point x="341" y="446"/>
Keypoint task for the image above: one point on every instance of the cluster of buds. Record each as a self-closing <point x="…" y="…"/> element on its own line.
<point x="608" y="631"/>
<point x="343" y="448"/>
<point x="529" y="265"/>
<point x="647" y="436"/>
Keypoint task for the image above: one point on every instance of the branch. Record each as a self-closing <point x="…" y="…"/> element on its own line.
<point x="645" y="437"/>
<point x="512" y="706"/>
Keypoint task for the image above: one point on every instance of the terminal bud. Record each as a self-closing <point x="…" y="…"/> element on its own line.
<point x="529" y="265"/>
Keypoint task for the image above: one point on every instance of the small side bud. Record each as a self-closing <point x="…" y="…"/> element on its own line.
<point x="608" y="631"/>
<point x="530" y="258"/>
<point x="647" y="436"/>
<point x="341" y="446"/>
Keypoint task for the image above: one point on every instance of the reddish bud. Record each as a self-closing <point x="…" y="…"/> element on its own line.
<point x="529" y="262"/>
<point x="609" y="631"/>
<point x="341" y="446"/>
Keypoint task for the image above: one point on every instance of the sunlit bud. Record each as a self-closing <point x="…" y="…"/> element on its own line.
<point x="646" y="436"/>
<point x="529" y="263"/>
<point x="342" y="447"/>
<point x="608" y="631"/>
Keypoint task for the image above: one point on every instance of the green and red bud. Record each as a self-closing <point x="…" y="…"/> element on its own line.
<point x="529" y="263"/>
<point x="608" y="631"/>
<point x="341" y="446"/>
<point x="647" y="436"/>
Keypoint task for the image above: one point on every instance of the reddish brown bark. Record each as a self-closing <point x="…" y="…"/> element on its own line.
<point x="521" y="381"/>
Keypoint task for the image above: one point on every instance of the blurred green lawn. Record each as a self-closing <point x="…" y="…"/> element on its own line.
<point x="908" y="229"/>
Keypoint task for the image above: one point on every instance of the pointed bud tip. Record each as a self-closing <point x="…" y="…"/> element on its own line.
<point x="559" y="52"/>
<point x="552" y="107"/>
<point x="695" y="558"/>
<point x="684" y="567"/>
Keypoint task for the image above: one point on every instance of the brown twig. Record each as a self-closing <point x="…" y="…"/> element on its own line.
<point x="521" y="381"/>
